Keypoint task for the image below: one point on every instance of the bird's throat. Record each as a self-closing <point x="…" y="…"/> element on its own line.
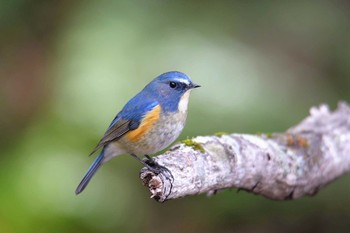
<point x="183" y="103"/>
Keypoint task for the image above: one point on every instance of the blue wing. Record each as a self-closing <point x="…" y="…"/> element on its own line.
<point x="129" y="118"/>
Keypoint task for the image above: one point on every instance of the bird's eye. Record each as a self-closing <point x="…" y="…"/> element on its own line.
<point x="172" y="84"/>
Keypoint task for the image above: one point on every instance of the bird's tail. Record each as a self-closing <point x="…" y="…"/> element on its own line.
<point x="90" y="173"/>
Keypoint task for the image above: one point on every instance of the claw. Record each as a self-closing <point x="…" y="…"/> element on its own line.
<point x="151" y="162"/>
<point x="155" y="167"/>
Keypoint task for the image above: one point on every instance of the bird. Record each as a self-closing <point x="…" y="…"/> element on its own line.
<point x="148" y="123"/>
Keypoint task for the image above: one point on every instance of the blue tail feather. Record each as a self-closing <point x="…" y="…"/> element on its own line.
<point x="90" y="173"/>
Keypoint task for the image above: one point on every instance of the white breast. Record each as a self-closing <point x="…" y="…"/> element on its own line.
<point x="184" y="101"/>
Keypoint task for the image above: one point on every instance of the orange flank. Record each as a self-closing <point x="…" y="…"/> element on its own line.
<point x="147" y="123"/>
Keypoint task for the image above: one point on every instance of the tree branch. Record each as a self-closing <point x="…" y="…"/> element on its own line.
<point x="279" y="166"/>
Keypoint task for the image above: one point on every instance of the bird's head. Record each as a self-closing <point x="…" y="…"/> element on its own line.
<point x="172" y="90"/>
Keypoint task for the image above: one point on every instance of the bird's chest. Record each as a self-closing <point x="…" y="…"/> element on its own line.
<point x="169" y="128"/>
<point x="164" y="132"/>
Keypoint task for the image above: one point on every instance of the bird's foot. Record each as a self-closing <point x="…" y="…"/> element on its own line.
<point x="155" y="167"/>
<point x="152" y="165"/>
<point x="150" y="161"/>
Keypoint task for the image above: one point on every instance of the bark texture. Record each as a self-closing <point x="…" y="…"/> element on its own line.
<point x="279" y="166"/>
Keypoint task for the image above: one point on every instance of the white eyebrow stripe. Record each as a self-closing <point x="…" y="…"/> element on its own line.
<point x="181" y="80"/>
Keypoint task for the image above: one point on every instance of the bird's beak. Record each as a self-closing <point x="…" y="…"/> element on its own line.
<point x="193" y="85"/>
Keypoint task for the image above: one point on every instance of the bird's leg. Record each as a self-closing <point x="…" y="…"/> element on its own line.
<point x="156" y="167"/>
<point x="151" y="164"/>
<point x="151" y="161"/>
<point x="145" y="163"/>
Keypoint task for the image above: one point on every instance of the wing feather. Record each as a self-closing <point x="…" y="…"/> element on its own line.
<point x="127" y="120"/>
<point x="115" y="132"/>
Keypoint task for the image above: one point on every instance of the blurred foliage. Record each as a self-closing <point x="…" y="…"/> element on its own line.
<point x="66" y="68"/>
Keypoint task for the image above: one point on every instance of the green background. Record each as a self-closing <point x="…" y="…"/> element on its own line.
<point x="67" y="67"/>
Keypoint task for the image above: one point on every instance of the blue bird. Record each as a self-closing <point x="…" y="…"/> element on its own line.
<point x="147" y="124"/>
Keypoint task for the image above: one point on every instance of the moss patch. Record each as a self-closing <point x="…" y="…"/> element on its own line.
<point x="193" y="144"/>
<point x="267" y="135"/>
<point x="220" y="134"/>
